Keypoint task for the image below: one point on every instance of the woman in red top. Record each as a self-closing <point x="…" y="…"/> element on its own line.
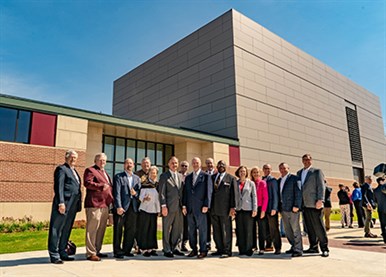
<point x="262" y="203"/>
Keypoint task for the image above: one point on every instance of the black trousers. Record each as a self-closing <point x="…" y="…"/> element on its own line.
<point x="315" y="226"/>
<point x="209" y="228"/>
<point x="244" y="234"/>
<point x="60" y="228"/>
<point x="197" y="222"/>
<point x="273" y="224"/>
<point x="260" y="233"/>
<point x="146" y="234"/>
<point x="222" y="233"/>
<point x="125" y="225"/>
<point x="185" y="234"/>
<point x="359" y="211"/>
<point x="382" y="219"/>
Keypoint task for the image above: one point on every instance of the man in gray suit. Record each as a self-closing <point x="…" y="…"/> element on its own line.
<point x="313" y="190"/>
<point x="290" y="203"/>
<point x="170" y="194"/>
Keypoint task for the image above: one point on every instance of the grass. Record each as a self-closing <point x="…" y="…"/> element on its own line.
<point x="37" y="240"/>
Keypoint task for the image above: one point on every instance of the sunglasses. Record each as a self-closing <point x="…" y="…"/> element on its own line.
<point x="184" y="165"/>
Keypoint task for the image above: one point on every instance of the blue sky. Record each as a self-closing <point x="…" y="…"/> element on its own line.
<point x="70" y="52"/>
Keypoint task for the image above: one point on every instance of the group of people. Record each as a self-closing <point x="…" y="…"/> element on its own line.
<point x="207" y="200"/>
<point x="364" y="199"/>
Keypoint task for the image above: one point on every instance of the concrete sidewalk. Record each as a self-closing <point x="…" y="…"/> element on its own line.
<point x="365" y="257"/>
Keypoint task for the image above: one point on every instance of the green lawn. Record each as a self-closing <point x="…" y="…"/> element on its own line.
<point x="37" y="240"/>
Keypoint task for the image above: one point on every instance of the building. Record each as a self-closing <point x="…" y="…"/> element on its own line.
<point x="234" y="78"/>
<point x="231" y="90"/>
<point x="35" y="135"/>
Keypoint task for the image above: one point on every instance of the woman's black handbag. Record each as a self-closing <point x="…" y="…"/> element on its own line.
<point x="71" y="248"/>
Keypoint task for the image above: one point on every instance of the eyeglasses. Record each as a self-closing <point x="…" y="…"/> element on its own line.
<point x="184" y="165"/>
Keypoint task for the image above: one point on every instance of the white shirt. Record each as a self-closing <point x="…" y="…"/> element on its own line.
<point x="219" y="175"/>
<point x="304" y="174"/>
<point x="75" y="175"/>
<point x="282" y="181"/>
<point x="195" y="175"/>
<point x="130" y="179"/>
<point x="210" y="172"/>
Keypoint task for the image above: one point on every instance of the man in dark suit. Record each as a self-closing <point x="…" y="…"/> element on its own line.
<point x="65" y="205"/>
<point x="170" y="194"/>
<point x="380" y="199"/>
<point x="289" y="206"/>
<point x="210" y="170"/>
<point x="143" y="173"/>
<point x="99" y="196"/>
<point x="272" y="209"/>
<point x="196" y="201"/>
<point x="313" y="192"/>
<point x="184" y="166"/>
<point x="126" y="187"/>
<point x="223" y="207"/>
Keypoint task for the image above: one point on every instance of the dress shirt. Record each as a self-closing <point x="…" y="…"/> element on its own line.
<point x="219" y="175"/>
<point x="195" y="175"/>
<point x="75" y="175"/>
<point x="282" y="181"/>
<point x="304" y="174"/>
<point x="130" y="179"/>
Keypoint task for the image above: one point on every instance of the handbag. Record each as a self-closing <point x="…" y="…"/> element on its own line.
<point x="71" y="248"/>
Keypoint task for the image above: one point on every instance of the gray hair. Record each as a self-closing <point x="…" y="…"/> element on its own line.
<point x="153" y="167"/>
<point x="98" y="156"/>
<point x="70" y="152"/>
<point x="146" y="159"/>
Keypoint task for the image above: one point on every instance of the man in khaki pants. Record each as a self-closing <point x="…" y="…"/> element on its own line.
<point x="98" y="198"/>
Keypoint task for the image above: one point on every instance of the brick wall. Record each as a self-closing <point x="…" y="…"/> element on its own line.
<point x="26" y="171"/>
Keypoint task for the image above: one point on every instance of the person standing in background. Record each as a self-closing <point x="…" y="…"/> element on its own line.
<point x="344" y="205"/>
<point x="327" y="206"/>
<point x="184" y="166"/>
<point x="356" y="197"/>
<point x="368" y="205"/>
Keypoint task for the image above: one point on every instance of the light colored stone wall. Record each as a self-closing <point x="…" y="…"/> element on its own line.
<point x="190" y="84"/>
<point x="71" y="132"/>
<point x="94" y="142"/>
<point x="289" y="103"/>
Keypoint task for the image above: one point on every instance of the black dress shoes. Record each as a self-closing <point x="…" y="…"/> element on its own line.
<point x="168" y="254"/>
<point x="178" y="253"/>
<point x="217" y="253"/>
<point x="289" y="251"/>
<point x="118" y="256"/>
<point x="146" y="254"/>
<point x="66" y="258"/>
<point x="153" y="253"/>
<point x="57" y="261"/>
<point x="277" y="252"/>
<point x="101" y="255"/>
<point x="192" y="254"/>
<point x="325" y="254"/>
<point x="296" y="254"/>
<point x="311" y="251"/>
<point x="129" y="254"/>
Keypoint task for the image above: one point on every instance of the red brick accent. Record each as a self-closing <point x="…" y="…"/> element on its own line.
<point x="27" y="171"/>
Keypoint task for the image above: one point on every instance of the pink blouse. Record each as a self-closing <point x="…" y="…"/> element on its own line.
<point x="262" y="194"/>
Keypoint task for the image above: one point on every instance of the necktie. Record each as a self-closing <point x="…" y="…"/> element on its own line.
<point x="194" y="178"/>
<point x="217" y="183"/>
<point x="75" y="175"/>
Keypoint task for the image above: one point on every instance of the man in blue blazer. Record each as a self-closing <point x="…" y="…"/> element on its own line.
<point x="66" y="203"/>
<point x="196" y="201"/>
<point x="289" y="205"/>
<point x="126" y="187"/>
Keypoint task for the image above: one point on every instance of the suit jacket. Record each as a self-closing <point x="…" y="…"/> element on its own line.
<point x="273" y="194"/>
<point x="380" y="198"/>
<point x="66" y="187"/>
<point x="223" y="198"/>
<point x="313" y="188"/>
<point x="246" y="200"/>
<point x="170" y="191"/>
<point x="367" y="195"/>
<point x="121" y="191"/>
<point x="291" y="195"/>
<point x="94" y="180"/>
<point x="199" y="194"/>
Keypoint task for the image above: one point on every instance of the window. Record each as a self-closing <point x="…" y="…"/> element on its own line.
<point x="118" y="149"/>
<point x="15" y="125"/>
